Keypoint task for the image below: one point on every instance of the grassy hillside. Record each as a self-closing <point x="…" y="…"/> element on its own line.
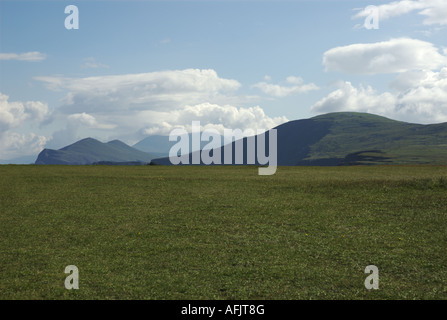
<point x="351" y="138"/>
<point x="196" y="232"/>
<point x="396" y="141"/>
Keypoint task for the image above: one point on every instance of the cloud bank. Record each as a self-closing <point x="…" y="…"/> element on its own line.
<point x="213" y="116"/>
<point x="393" y="56"/>
<point x="157" y="102"/>
<point x="162" y="90"/>
<point x="418" y="94"/>
<point x="13" y="115"/>
<point x="419" y="97"/>
<point x="293" y="85"/>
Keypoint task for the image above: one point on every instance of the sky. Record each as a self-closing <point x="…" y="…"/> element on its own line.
<point x="136" y="68"/>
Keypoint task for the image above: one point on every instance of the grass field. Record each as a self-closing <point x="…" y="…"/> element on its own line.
<point x="197" y="232"/>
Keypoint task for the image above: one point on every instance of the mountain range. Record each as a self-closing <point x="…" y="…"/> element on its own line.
<point x="342" y="138"/>
<point x="92" y="151"/>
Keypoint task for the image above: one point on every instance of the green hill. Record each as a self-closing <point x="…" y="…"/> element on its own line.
<point x="351" y="138"/>
<point x="362" y="138"/>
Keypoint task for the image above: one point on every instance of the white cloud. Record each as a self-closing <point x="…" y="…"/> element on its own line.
<point x="210" y="116"/>
<point x="293" y="85"/>
<point x="13" y="114"/>
<point x="88" y="121"/>
<point x="155" y="90"/>
<point x="349" y="98"/>
<point x="14" y="144"/>
<point x="435" y="11"/>
<point x="157" y="102"/>
<point x="419" y="97"/>
<point x="392" y="9"/>
<point x="27" y="56"/>
<point x="395" y="55"/>
<point x="77" y="126"/>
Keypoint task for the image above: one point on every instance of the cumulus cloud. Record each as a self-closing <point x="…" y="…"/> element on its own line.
<point x="211" y="116"/>
<point x="435" y="11"/>
<point x="419" y="97"/>
<point x="395" y="55"/>
<point x="27" y="56"/>
<point x="14" y="144"/>
<point x="13" y="114"/>
<point x="154" y="90"/>
<point x="293" y="85"/>
<point x="157" y="102"/>
<point x="349" y="98"/>
<point x="88" y="121"/>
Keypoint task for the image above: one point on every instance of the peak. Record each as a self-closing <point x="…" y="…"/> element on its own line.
<point x="116" y="142"/>
<point x="82" y="143"/>
<point x="345" y="114"/>
<point x="88" y="140"/>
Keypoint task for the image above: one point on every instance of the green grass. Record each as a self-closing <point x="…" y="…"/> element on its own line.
<point x="400" y="142"/>
<point x="196" y="232"/>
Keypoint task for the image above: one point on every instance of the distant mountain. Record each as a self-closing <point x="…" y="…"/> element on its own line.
<point x="90" y="151"/>
<point x="160" y="145"/>
<point x="155" y="144"/>
<point x="351" y="138"/>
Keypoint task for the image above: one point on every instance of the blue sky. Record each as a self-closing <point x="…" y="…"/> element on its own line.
<point x="135" y="68"/>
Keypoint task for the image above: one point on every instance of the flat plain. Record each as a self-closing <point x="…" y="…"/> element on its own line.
<point x="223" y="232"/>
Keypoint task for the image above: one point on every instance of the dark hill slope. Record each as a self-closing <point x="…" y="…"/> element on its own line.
<point x="88" y="151"/>
<point x="348" y="138"/>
